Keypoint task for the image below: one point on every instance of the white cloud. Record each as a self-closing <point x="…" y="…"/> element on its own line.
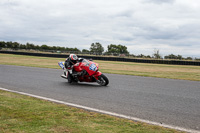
<point x="141" y="25"/>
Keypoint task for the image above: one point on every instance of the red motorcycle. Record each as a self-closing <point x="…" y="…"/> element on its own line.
<point x="84" y="71"/>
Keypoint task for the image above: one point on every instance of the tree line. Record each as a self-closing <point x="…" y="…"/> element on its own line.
<point x="30" y="46"/>
<point x="95" y="49"/>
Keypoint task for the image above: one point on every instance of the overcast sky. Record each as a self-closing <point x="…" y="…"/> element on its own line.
<point x="170" y="26"/>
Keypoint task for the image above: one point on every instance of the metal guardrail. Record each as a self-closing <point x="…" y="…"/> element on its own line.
<point x="171" y="62"/>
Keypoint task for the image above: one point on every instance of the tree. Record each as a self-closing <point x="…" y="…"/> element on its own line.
<point x="2" y="44"/>
<point x="60" y="48"/>
<point x="179" y="57"/>
<point x="22" y="46"/>
<point x="112" y="48"/>
<point x="76" y="50"/>
<point x="37" y="47"/>
<point x="172" y="56"/>
<point x="189" y="58"/>
<point x="156" y="54"/>
<point x="16" y="45"/>
<point x="30" y="46"/>
<point x="96" y="48"/>
<point x="9" y="44"/>
<point x="85" y="51"/>
<point x="123" y="49"/>
<point x="44" y="47"/>
<point x="117" y="49"/>
<point x="72" y="50"/>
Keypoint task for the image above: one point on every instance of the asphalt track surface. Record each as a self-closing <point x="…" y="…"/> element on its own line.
<point x="168" y="101"/>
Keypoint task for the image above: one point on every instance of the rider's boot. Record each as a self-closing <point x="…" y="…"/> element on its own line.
<point x="64" y="75"/>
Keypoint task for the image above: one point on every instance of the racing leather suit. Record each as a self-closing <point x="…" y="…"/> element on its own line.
<point x="69" y="64"/>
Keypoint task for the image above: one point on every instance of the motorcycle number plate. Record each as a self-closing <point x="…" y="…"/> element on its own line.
<point x="93" y="67"/>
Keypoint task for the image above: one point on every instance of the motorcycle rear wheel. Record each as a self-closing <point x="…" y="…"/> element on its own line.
<point x="102" y="80"/>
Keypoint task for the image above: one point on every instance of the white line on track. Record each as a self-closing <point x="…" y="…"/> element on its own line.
<point x="106" y="112"/>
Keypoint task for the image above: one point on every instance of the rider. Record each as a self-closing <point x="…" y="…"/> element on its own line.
<point x="70" y="61"/>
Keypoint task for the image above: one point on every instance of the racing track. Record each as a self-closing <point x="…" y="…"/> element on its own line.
<point x="173" y="102"/>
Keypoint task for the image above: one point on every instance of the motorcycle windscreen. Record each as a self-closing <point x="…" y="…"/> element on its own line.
<point x="61" y="64"/>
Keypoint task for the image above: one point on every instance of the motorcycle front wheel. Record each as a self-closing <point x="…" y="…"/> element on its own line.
<point x="102" y="80"/>
<point x="69" y="78"/>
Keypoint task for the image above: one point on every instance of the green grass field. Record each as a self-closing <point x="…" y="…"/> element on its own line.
<point x="128" y="68"/>
<point x="23" y="114"/>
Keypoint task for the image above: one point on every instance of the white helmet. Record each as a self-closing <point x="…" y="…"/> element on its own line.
<point x="73" y="57"/>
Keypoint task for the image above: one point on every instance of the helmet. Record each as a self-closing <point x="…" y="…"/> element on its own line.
<point x="73" y="57"/>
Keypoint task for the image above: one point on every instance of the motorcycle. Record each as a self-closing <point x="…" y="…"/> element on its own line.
<point x="84" y="71"/>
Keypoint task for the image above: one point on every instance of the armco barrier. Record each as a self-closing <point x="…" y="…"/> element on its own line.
<point x="172" y="62"/>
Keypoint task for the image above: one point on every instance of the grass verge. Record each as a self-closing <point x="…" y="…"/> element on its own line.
<point x="126" y="68"/>
<point x="21" y="113"/>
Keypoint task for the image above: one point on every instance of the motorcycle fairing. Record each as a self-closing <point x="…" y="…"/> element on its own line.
<point x="97" y="74"/>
